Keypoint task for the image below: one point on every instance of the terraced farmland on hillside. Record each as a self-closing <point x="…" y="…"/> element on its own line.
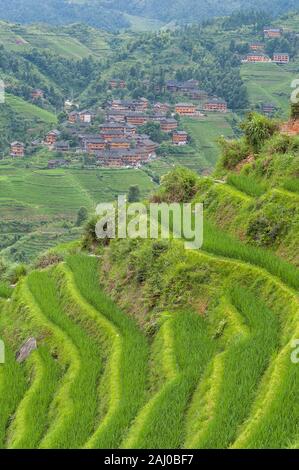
<point x="144" y="391"/>
<point x="49" y="201"/>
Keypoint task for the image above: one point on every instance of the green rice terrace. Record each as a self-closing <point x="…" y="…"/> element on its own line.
<point x="144" y="344"/>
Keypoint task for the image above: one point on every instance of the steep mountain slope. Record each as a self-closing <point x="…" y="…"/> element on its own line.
<point x="193" y="352"/>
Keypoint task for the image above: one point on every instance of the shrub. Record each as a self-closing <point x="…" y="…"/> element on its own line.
<point x="48" y="259"/>
<point x="179" y="185"/>
<point x="247" y="184"/>
<point x="233" y="152"/>
<point x="258" y="129"/>
<point x="16" y="273"/>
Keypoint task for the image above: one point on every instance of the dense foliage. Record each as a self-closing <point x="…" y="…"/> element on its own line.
<point x="60" y="12"/>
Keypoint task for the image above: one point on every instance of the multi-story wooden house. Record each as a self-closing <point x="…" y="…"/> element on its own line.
<point x="51" y="137"/>
<point x="52" y="164"/>
<point x="37" y="94"/>
<point x="257" y="47"/>
<point x="116" y="83"/>
<point x="168" y="125"/>
<point x="115" y="115"/>
<point x="185" y="109"/>
<point x="197" y="94"/>
<point x="148" y="146"/>
<point x="188" y="86"/>
<point x="180" y="138"/>
<point x="112" y="134"/>
<point x="62" y="146"/>
<point x="216" y="105"/>
<point x="86" y="116"/>
<point x="92" y="144"/>
<point x="272" y="33"/>
<point x="268" y="108"/>
<point x="117" y="144"/>
<point x="281" y="57"/>
<point x="136" y="119"/>
<point x="161" y="108"/>
<point x="17" y="149"/>
<point x="257" y="57"/>
<point x="73" y="117"/>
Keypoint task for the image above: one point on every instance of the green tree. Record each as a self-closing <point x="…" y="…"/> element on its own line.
<point x="258" y="129"/>
<point x="134" y="193"/>
<point x="82" y="216"/>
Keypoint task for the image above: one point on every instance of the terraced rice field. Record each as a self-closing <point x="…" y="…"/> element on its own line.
<point x="98" y="381"/>
<point x="48" y="198"/>
<point x="269" y="83"/>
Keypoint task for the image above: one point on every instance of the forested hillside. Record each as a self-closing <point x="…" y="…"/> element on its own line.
<point x="60" y="12"/>
<point x="111" y="14"/>
<point x="194" y="10"/>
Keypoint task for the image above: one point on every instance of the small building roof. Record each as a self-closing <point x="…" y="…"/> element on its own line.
<point x="16" y="143"/>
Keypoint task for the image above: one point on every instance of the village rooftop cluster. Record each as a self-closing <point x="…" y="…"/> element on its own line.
<point x="257" y="49"/>
<point x="118" y="141"/>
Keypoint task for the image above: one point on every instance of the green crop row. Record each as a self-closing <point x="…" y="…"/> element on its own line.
<point x="247" y="184"/>
<point x="160" y="423"/>
<point x="129" y="365"/>
<point x="224" y="402"/>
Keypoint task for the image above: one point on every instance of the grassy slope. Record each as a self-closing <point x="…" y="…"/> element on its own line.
<point x="29" y="110"/>
<point x="24" y="193"/>
<point x="62" y="42"/>
<point x="269" y="83"/>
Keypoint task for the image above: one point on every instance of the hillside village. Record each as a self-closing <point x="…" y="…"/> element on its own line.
<point x="118" y="141"/>
<point x="114" y="134"/>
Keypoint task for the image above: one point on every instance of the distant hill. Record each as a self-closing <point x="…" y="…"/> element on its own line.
<point x="113" y="14"/>
<point x="194" y="10"/>
<point x="60" y="12"/>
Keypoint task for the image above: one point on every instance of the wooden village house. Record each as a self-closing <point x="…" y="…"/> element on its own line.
<point x="17" y="149"/>
<point x="185" y="109"/>
<point x="180" y="138"/>
<point x="281" y="58"/>
<point x="51" y="137"/>
<point x="216" y="105"/>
